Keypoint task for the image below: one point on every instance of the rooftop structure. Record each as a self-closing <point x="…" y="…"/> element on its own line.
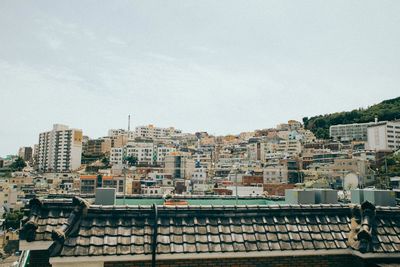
<point x="70" y="233"/>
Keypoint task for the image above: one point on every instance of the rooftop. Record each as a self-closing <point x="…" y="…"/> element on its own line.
<point x="76" y="229"/>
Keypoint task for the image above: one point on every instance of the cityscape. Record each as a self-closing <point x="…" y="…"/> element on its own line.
<point x="150" y="165"/>
<point x="195" y="133"/>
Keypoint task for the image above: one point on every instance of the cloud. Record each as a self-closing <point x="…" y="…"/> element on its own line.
<point x="116" y="41"/>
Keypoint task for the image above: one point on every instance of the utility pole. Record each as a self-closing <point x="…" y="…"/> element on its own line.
<point x="236" y="185"/>
<point x="124" y="161"/>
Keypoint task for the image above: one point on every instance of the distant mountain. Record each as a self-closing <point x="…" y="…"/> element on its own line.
<point x="386" y="110"/>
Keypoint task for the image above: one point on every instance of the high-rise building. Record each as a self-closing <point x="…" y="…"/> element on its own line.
<point x="25" y="153"/>
<point x="384" y="136"/>
<point x="60" y="149"/>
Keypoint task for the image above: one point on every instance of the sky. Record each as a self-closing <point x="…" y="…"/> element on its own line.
<point x="217" y="66"/>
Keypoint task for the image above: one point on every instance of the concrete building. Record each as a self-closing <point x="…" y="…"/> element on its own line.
<point x="384" y="136"/>
<point x="60" y="149"/>
<point x="275" y="174"/>
<point x="181" y="165"/>
<point x="289" y="147"/>
<point x="8" y="196"/>
<point x="97" y="147"/>
<point x="144" y="152"/>
<point x="25" y="153"/>
<point x="89" y="183"/>
<point x="350" y="132"/>
<point x="150" y="131"/>
<point x="162" y="151"/>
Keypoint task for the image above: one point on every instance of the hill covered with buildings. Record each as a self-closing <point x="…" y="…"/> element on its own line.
<point x="385" y="111"/>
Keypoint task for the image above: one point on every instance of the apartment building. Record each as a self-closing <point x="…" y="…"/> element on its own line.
<point x="150" y="131"/>
<point x="162" y="152"/>
<point x="25" y="153"/>
<point x="180" y="165"/>
<point x="60" y="149"/>
<point x="97" y="147"/>
<point x="8" y="196"/>
<point x="289" y="147"/>
<point x="350" y="132"/>
<point x="89" y="183"/>
<point x="384" y="136"/>
<point x="144" y="152"/>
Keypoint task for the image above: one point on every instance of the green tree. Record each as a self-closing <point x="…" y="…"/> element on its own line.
<point x="12" y="219"/>
<point x="132" y="161"/>
<point x="386" y="110"/>
<point x="18" y="164"/>
<point x="105" y="161"/>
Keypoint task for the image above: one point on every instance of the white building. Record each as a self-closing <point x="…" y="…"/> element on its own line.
<point x="275" y="174"/>
<point x="143" y="151"/>
<point x="384" y="136"/>
<point x="153" y="132"/>
<point x="60" y="149"/>
<point x="247" y="191"/>
<point x="350" y="132"/>
<point x="162" y="152"/>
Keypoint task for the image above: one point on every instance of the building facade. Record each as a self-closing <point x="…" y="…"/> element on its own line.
<point x="150" y="131"/>
<point x="384" y="136"/>
<point x="25" y="153"/>
<point x="60" y="149"/>
<point x="350" y="132"/>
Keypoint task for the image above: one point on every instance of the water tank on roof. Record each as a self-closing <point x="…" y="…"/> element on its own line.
<point x="326" y="196"/>
<point x="105" y="196"/>
<point x="299" y="196"/>
<point x="375" y="196"/>
<point x="380" y="197"/>
<point x="357" y="196"/>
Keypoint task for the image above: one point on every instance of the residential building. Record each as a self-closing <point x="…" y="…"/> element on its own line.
<point x="150" y="131"/>
<point x="275" y="174"/>
<point x="144" y="152"/>
<point x="350" y="132"/>
<point x="8" y="196"/>
<point x="161" y="152"/>
<point x="25" y="153"/>
<point x="89" y="183"/>
<point x="60" y="149"/>
<point x="180" y="164"/>
<point x="384" y="136"/>
<point x="97" y="147"/>
<point x="289" y="147"/>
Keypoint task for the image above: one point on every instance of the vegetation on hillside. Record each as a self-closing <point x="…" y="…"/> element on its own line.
<point x="18" y="164"/>
<point x="12" y="219"/>
<point x="386" y="110"/>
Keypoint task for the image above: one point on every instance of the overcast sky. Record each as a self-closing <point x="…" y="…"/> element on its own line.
<point x="217" y="66"/>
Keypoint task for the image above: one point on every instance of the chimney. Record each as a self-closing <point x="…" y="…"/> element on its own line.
<point x="376" y="120"/>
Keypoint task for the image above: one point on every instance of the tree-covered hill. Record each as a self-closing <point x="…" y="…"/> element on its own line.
<point x="386" y="110"/>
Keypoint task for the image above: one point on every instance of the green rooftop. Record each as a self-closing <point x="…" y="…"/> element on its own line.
<point x="201" y="201"/>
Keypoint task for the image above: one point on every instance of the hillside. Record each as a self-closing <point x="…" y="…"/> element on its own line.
<point x="386" y="110"/>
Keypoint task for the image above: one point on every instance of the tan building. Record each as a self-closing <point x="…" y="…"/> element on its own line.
<point x="180" y="165"/>
<point x="60" y="149"/>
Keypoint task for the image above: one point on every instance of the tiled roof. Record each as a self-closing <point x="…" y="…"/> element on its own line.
<point x="82" y="230"/>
